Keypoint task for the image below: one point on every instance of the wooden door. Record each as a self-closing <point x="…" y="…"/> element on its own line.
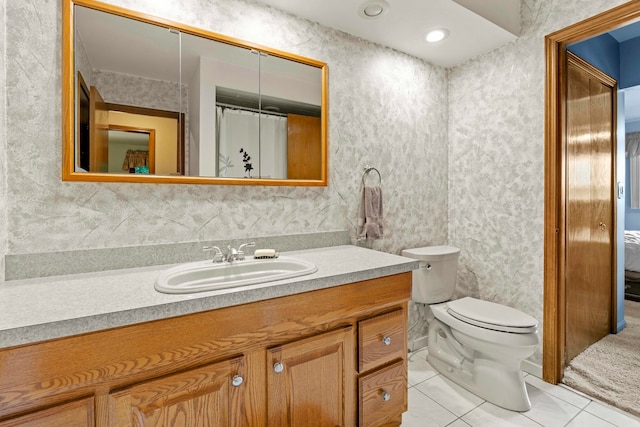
<point x="210" y="396"/>
<point x="311" y="382"/>
<point x="590" y="115"/>
<point x="304" y="149"/>
<point x="98" y="132"/>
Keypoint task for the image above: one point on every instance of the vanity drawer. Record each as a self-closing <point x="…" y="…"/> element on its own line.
<point x="383" y="396"/>
<point x="381" y="339"/>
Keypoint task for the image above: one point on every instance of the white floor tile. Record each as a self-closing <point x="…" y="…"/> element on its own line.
<point x="450" y="395"/>
<point x="612" y="415"/>
<point x="436" y="401"/>
<point x="419" y="368"/>
<point x="425" y="412"/>
<point x="549" y="410"/>
<point x="585" y="419"/>
<point x="558" y="391"/>
<point x="489" y="415"/>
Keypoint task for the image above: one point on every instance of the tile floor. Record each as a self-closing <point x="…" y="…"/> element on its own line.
<point x="436" y="401"/>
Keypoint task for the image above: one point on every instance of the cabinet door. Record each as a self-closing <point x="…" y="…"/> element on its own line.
<point x="74" y="414"/>
<point x="311" y="382"/>
<point x="208" y="396"/>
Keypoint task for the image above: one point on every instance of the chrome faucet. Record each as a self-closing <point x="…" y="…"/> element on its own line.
<point x="218" y="256"/>
<point x="232" y="254"/>
<point x="237" y="254"/>
<point x="241" y="253"/>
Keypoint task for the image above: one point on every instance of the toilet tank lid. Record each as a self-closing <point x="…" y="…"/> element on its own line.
<point x="491" y="313"/>
<point x="431" y="253"/>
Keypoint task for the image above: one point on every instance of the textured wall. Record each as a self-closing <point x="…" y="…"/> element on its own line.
<point x="3" y="142"/>
<point x="385" y="108"/>
<point x="496" y="159"/>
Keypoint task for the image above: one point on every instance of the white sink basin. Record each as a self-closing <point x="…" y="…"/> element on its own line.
<point x="208" y="276"/>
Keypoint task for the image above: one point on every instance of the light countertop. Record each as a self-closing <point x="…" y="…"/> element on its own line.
<point x="33" y="310"/>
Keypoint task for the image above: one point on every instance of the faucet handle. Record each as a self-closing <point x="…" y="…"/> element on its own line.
<point x="241" y="249"/>
<point x="217" y="254"/>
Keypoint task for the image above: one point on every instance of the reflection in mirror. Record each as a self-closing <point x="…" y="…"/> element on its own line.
<point x="206" y="65"/>
<point x="125" y="62"/>
<point x="239" y="113"/>
<point x="293" y="90"/>
<point x="135" y="146"/>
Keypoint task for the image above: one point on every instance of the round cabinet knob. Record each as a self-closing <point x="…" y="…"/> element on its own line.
<point x="278" y="367"/>
<point x="386" y="340"/>
<point x="237" y="380"/>
<point x="386" y="396"/>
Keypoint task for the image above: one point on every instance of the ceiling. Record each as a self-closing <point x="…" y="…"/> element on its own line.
<point x="627" y="32"/>
<point x="475" y="26"/>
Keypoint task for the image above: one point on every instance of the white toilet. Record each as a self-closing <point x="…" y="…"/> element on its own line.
<point x="476" y="344"/>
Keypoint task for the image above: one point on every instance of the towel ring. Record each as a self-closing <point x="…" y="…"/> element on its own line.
<point x="367" y="170"/>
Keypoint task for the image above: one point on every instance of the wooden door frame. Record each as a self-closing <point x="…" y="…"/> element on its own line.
<point x="180" y="117"/>
<point x="554" y="182"/>
<point x="151" y="145"/>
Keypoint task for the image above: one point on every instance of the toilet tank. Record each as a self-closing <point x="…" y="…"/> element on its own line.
<point x="435" y="279"/>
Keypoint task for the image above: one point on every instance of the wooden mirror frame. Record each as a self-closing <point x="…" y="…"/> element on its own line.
<point x="68" y="103"/>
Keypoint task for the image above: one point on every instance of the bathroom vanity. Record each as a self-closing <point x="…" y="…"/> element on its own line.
<point x="325" y="349"/>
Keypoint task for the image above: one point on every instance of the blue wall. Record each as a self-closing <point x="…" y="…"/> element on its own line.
<point x="619" y="60"/>
<point x="629" y="63"/>
<point x="603" y="52"/>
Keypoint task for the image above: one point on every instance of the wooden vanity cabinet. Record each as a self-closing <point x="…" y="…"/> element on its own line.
<point x="382" y="364"/>
<point x="314" y="359"/>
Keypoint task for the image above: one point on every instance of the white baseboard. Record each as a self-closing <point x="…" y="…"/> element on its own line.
<point x="419" y="343"/>
<point x="532" y="368"/>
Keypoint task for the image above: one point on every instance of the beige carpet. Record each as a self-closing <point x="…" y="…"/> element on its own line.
<point x="609" y="370"/>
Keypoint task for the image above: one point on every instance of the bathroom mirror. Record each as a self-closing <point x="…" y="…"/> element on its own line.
<point x="150" y="100"/>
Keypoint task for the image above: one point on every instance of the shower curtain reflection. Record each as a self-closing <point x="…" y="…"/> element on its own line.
<point x="241" y="153"/>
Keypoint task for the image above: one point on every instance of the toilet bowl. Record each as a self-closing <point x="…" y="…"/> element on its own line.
<point x="477" y="344"/>
<point x="483" y="357"/>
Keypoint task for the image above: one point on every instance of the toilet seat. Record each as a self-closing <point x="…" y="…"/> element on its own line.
<point x="489" y="315"/>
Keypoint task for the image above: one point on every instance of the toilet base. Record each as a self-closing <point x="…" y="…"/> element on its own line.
<point x="498" y="384"/>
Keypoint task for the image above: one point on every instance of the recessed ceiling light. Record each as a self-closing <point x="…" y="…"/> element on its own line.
<point x="373" y="9"/>
<point x="437" y="35"/>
